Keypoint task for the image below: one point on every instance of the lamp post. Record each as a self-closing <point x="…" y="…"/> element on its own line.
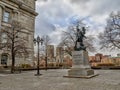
<point x="38" y="40"/>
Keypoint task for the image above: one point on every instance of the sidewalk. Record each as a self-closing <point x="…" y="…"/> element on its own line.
<point x="54" y="80"/>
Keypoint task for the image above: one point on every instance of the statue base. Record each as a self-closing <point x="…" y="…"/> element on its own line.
<point x="81" y="67"/>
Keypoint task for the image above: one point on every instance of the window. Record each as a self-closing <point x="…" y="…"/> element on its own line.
<point x="6" y="16"/>
<point x="4" y="59"/>
<point x="3" y="38"/>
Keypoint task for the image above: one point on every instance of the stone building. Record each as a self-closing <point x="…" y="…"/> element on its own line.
<point x="98" y="57"/>
<point x="59" y="54"/>
<point x="50" y="52"/>
<point x="24" y="12"/>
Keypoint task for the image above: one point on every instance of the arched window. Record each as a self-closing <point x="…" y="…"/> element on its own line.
<point x="4" y="58"/>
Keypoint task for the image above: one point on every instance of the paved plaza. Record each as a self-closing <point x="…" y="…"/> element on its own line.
<point x="54" y="80"/>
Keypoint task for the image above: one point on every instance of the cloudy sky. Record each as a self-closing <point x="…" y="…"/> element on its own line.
<point x="55" y="15"/>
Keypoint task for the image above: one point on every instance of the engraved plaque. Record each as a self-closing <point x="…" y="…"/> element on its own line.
<point x="77" y="58"/>
<point x="80" y="59"/>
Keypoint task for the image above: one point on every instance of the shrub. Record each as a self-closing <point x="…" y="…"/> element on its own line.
<point x="61" y="64"/>
<point x="51" y="64"/>
<point x="25" y="66"/>
<point x="105" y="64"/>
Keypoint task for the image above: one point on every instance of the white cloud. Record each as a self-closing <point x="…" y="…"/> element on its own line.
<point x="60" y="13"/>
<point x="56" y="35"/>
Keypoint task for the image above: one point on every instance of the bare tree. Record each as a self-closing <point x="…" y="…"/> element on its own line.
<point x="69" y="38"/>
<point x="15" y="42"/>
<point x="110" y="38"/>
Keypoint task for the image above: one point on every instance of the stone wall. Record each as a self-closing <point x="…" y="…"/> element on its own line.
<point x="30" y="3"/>
<point x="24" y="12"/>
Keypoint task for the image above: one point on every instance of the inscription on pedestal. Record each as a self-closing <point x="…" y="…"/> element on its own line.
<point x="77" y="59"/>
<point x="80" y="59"/>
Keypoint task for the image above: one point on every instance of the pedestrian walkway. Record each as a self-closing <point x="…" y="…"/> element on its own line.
<point x="54" y="80"/>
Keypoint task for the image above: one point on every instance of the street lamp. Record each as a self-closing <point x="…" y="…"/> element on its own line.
<point x="38" y="40"/>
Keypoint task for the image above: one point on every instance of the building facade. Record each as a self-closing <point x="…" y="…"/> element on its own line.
<point x="59" y="54"/>
<point x="104" y="59"/>
<point x="50" y="52"/>
<point x="22" y="11"/>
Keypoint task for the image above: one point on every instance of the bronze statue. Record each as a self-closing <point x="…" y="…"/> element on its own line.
<point x="80" y="35"/>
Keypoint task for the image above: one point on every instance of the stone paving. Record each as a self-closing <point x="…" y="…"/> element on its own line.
<point x="54" y="80"/>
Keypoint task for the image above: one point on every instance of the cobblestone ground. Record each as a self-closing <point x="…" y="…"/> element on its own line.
<point x="54" y="80"/>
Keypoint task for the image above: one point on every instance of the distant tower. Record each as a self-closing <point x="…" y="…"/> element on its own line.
<point x="59" y="54"/>
<point x="50" y="51"/>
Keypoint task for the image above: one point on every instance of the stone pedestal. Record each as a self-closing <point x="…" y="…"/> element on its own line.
<point x="77" y="72"/>
<point x="81" y="67"/>
<point x="80" y="59"/>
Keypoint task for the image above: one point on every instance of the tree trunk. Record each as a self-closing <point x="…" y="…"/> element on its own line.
<point x="13" y="57"/>
<point x="13" y="62"/>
